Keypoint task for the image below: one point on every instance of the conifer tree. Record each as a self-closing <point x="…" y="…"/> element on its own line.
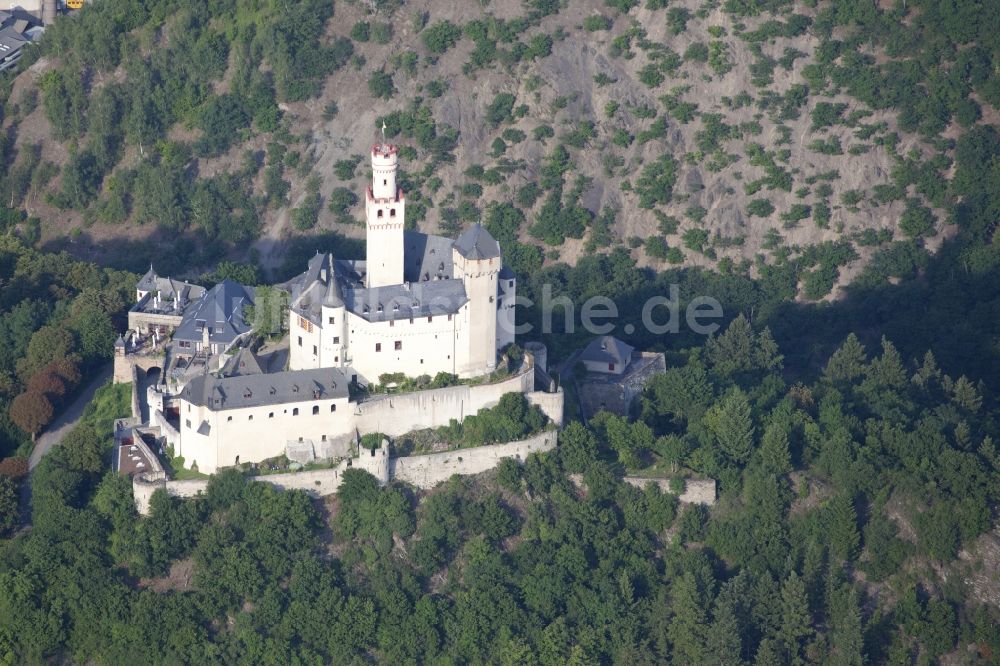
<point x="795" y="618"/>
<point x="723" y="646"/>
<point x="731" y="423"/>
<point x="847" y="363"/>
<point x="687" y="627"/>
<point x="842" y="527"/>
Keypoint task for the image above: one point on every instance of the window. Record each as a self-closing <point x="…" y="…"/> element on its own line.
<point x="315" y="409"/>
<point x="611" y="366"/>
<point x="333" y="408"/>
<point x="229" y="418"/>
<point x="411" y="320"/>
<point x="392" y="322"/>
<point x="385" y="182"/>
<point x="306" y="324"/>
<point x="300" y="341"/>
<point x="449" y="317"/>
<point x="315" y="351"/>
<point x="336" y="359"/>
<point x="295" y="411"/>
<point x="336" y="339"/>
<point x="250" y="418"/>
<point x="187" y="423"/>
<point x="430" y="320"/>
<point x="270" y="415"/>
<point x="330" y="320"/>
<point x="399" y="345"/>
<point x="491" y="299"/>
<point x="378" y="346"/>
<point x="392" y="212"/>
<point x="379" y="213"/>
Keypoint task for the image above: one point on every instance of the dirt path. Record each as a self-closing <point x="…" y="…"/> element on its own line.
<point x="69" y="418"/>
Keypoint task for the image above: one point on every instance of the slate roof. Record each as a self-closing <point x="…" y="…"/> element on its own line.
<point x="243" y="363"/>
<point x="221" y="310"/>
<point x="222" y="393"/>
<point x="477" y="243"/>
<point x="416" y="299"/>
<point x="169" y="288"/>
<point x="426" y="257"/>
<point x="429" y="289"/>
<point x="607" y="349"/>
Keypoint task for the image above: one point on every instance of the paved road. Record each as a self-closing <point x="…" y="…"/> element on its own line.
<point x="69" y="417"/>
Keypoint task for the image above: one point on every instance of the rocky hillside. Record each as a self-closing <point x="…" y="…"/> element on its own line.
<point x="735" y="135"/>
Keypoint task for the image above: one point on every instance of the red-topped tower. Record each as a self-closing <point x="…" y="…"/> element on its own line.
<point x="384" y="213"/>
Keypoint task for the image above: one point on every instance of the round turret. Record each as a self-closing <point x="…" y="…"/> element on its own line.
<point x="385" y="162"/>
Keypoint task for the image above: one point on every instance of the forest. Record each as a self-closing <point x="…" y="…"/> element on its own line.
<point x="853" y="439"/>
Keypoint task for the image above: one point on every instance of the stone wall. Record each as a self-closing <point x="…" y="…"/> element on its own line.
<point x="422" y="471"/>
<point x="124" y="365"/>
<point x="169" y="432"/>
<point x="551" y="404"/>
<point x="429" y="470"/>
<point x="134" y="378"/>
<point x="397" y="414"/>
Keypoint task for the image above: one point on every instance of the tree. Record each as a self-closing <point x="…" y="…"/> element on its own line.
<point x="796" y="625"/>
<point x="688" y="625"/>
<point x="774" y="455"/>
<point x="8" y="504"/>
<point x="31" y="412"/>
<point x="577" y="447"/>
<point x="842" y="527"/>
<point x="732" y="425"/>
<point x="846" y="637"/>
<point x="441" y="36"/>
<point x="847" y="363"/>
<point x="723" y="643"/>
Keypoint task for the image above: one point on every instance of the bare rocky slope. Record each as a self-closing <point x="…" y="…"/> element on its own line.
<point x="757" y="164"/>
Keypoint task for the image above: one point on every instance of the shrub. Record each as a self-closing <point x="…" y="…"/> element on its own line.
<point x="441" y="36"/>
<point x="596" y="22"/>
<point x="380" y="85"/>
<point x="760" y="208"/>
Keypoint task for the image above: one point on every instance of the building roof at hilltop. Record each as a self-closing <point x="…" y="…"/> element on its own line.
<point x="242" y="391"/>
<point x="243" y="363"/>
<point x="404" y="301"/>
<point x="607" y="349"/>
<point x="168" y="288"/>
<point x="476" y="243"/>
<point x="221" y="311"/>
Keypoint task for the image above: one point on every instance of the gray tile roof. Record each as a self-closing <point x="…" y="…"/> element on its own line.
<point x="221" y="393"/>
<point x="168" y="288"/>
<point x="477" y="243"/>
<point x="426" y="257"/>
<point x="416" y="299"/>
<point x="243" y="363"/>
<point x="337" y="282"/>
<point x="607" y="349"/>
<point x="221" y="310"/>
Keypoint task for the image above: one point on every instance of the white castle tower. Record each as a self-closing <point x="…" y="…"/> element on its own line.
<point x="476" y="257"/>
<point x="384" y="214"/>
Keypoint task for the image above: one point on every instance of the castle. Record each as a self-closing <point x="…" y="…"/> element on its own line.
<point x="418" y="305"/>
